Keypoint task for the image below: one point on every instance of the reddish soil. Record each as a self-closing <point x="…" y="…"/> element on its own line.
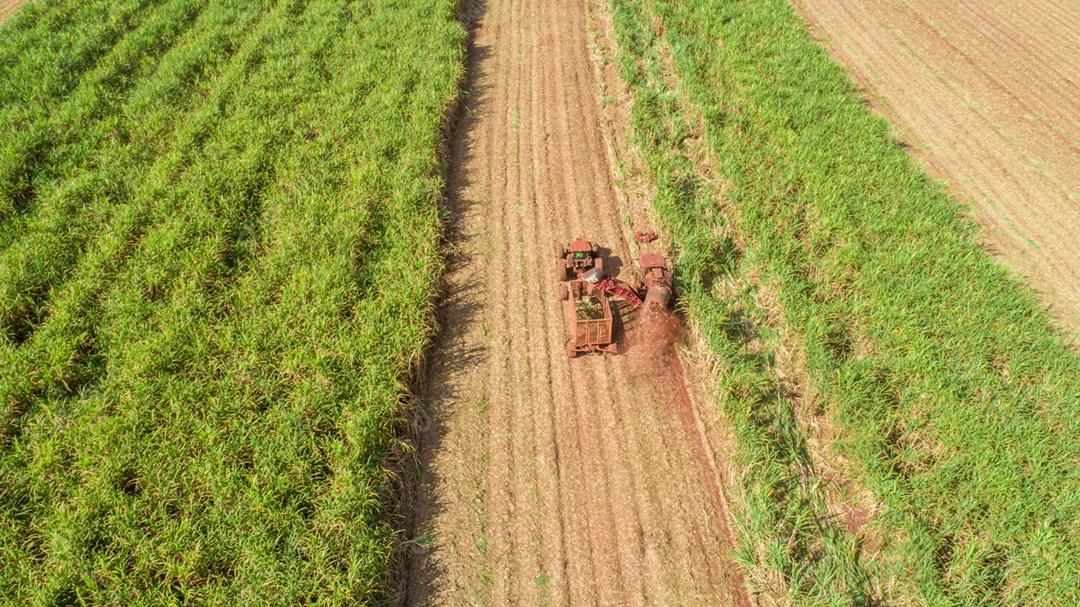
<point x="988" y="94"/>
<point x="8" y="7"/>
<point x="545" y="480"/>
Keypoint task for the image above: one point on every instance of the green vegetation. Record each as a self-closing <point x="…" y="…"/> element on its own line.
<point x="787" y="544"/>
<point x="959" y="403"/>
<point x="218" y="251"/>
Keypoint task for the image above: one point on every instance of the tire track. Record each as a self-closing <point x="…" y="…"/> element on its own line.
<point x="589" y="490"/>
<point x="547" y="435"/>
<point x="582" y="575"/>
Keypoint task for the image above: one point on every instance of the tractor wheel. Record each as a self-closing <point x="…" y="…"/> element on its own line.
<point x="560" y="251"/>
<point x="564" y="293"/>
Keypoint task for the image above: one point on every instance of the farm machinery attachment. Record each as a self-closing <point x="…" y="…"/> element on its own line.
<point x="585" y="289"/>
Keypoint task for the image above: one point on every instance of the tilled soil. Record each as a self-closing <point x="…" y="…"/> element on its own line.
<point x="545" y="480"/>
<point x="8" y="7"/>
<point x="988" y="93"/>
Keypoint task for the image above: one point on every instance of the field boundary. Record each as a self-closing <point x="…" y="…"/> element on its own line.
<point x="406" y="465"/>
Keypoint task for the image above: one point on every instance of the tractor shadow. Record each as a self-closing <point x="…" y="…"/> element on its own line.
<point x="613" y="264"/>
<point x="622" y="319"/>
<point x="454" y="350"/>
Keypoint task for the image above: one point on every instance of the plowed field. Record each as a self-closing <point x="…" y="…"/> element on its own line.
<point x="547" y="480"/>
<point x="988" y="94"/>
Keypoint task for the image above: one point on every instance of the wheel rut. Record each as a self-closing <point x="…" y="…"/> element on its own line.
<point x="544" y="480"/>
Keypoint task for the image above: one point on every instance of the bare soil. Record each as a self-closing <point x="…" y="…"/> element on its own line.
<point x="8" y="7"/>
<point x="545" y="480"/>
<point x="988" y="95"/>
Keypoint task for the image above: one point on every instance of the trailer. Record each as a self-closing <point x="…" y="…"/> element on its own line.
<point x="590" y="317"/>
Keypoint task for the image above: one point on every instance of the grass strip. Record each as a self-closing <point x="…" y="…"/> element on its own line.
<point x="791" y="550"/>
<point x="958" y="401"/>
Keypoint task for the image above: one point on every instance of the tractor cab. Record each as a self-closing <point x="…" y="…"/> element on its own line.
<point x="577" y="258"/>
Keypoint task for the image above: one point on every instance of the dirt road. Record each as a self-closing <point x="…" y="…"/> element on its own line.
<point x="545" y="480"/>
<point x="7" y="7"/>
<point x="988" y="94"/>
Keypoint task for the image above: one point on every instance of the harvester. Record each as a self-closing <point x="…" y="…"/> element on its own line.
<point x="585" y="289"/>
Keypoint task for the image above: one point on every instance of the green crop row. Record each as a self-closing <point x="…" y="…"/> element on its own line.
<point x="956" y="400"/>
<point x="789" y="547"/>
<point x="213" y="294"/>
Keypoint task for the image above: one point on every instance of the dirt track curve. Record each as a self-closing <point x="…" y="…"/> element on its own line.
<point x="545" y="480"/>
<point x="988" y="93"/>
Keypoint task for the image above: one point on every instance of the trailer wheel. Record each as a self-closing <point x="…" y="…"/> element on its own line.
<point x="571" y="352"/>
<point x="564" y="293"/>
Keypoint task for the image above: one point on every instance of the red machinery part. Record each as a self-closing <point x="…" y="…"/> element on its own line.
<point x="617" y="288"/>
<point x="656" y="282"/>
<point x="645" y="236"/>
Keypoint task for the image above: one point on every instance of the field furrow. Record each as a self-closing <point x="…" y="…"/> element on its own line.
<point x="68" y="41"/>
<point x="24" y="32"/>
<point x="56" y="138"/>
<point x="67" y="278"/>
<point x="41" y="247"/>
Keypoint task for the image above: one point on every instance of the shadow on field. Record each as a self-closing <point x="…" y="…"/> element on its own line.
<point x="453" y="354"/>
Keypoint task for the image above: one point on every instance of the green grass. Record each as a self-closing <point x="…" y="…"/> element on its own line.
<point x="957" y="401"/>
<point x="218" y="252"/>
<point x="789" y="548"/>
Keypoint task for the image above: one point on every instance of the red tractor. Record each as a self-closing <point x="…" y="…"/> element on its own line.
<point x="577" y="258"/>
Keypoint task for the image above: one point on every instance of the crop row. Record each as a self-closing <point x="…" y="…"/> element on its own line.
<point x="213" y="292"/>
